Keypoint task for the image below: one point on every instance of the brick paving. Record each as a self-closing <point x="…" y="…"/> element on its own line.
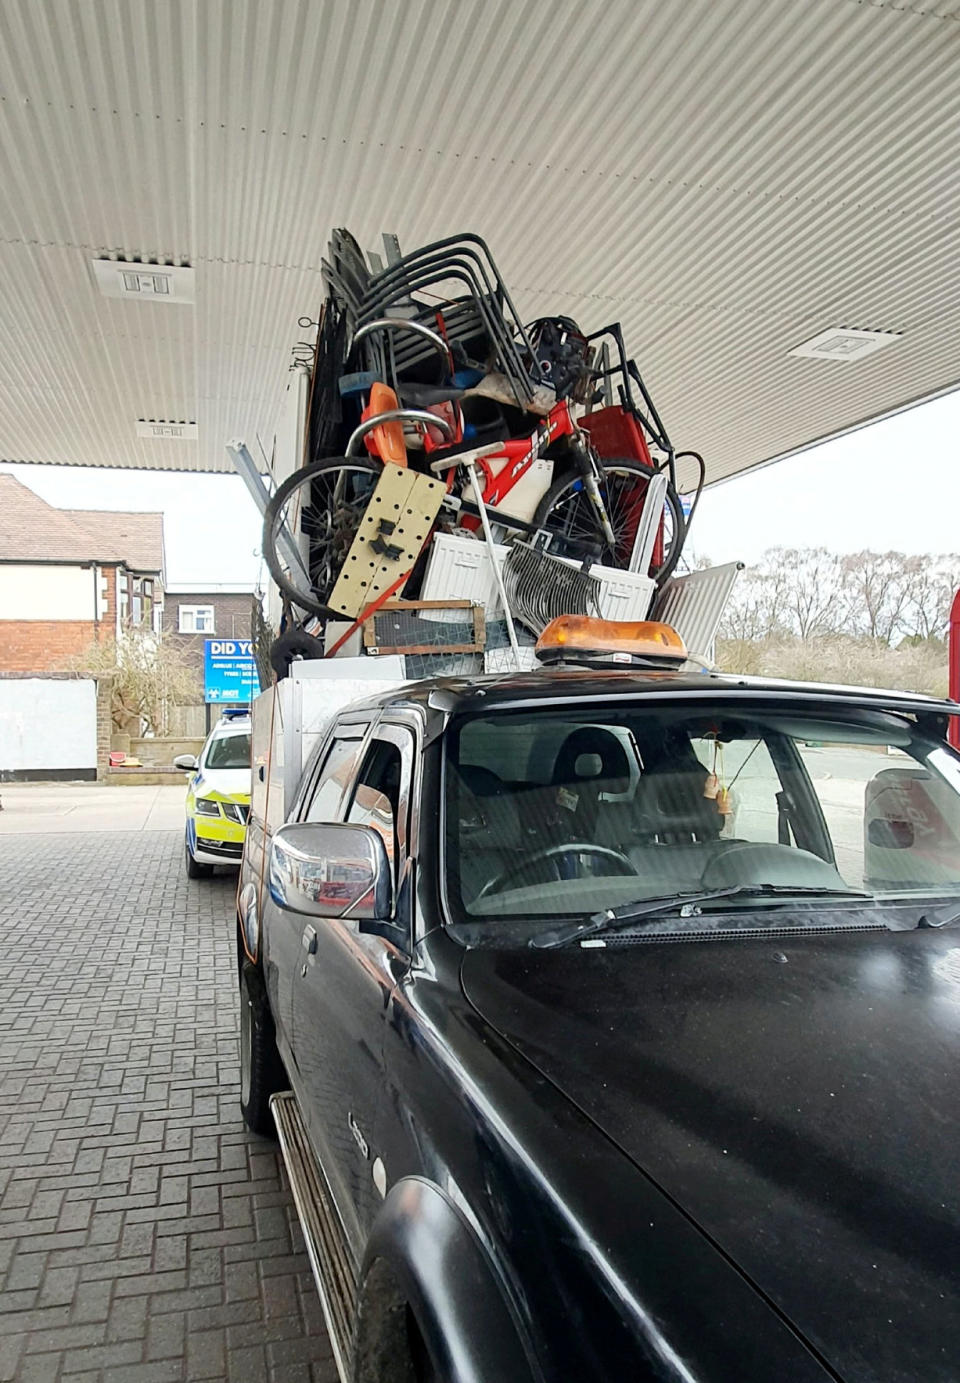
<point x="145" y="1236"/>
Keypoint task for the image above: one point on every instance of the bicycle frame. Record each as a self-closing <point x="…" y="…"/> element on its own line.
<point x="513" y="458"/>
<point x="519" y="454"/>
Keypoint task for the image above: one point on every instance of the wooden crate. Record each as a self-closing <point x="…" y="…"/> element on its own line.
<point x="378" y="627"/>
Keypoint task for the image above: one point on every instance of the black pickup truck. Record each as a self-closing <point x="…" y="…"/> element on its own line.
<point x="610" y="1023"/>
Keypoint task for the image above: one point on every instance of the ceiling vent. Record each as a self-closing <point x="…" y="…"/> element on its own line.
<point x="163" y="430"/>
<point x="844" y="343"/>
<point x="152" y="283"/>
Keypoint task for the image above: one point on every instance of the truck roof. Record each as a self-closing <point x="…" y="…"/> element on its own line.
<point x="459" y="694"/>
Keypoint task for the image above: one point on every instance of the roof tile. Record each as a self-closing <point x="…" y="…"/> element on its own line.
<point x="32" y="530"/>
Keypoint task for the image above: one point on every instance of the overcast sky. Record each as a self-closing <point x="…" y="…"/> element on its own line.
<point x="894" y="485"/>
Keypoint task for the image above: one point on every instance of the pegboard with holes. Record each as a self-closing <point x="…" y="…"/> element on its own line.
<point x="390" y="537"/>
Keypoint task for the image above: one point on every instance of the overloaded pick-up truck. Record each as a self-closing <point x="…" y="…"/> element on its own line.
<point x="610" y="1023"/>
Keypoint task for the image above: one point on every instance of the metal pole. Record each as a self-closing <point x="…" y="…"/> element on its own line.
<point x="246" y="468"/>
<point x="497" y="573"/>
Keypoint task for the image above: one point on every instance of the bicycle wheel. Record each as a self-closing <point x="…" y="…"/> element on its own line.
<point x="566" y="510"/>
<point x="309" y="524"/>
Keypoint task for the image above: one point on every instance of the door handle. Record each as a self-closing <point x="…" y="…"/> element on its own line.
<point x="310" y="940"/>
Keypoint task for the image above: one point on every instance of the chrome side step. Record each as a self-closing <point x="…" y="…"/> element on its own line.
<point x="332" y="1270"/>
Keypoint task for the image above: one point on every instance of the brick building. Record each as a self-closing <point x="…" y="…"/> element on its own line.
<point x="194" y="613"/>
<point x="69" y="577"/>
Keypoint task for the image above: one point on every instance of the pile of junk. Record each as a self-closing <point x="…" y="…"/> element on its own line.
<point x="468" y="476"/>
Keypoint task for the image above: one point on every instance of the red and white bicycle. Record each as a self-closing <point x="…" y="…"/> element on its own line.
<point x="591" y="509"/>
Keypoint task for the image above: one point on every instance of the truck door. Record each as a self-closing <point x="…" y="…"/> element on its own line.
<point x="341" y="994"/>
<point x="282" y="931"/>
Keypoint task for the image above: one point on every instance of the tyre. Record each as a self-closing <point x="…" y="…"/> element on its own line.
<point x="323" y="504"/>
<point x="261" y="1069"/>
<point x="567" y="511"/>
<point x="389" y="1346"/>
<point x="196" y="870"/>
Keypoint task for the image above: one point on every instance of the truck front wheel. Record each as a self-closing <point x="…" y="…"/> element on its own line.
<point x="261" y="1069"/>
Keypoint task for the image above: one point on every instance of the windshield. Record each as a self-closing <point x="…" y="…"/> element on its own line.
<point x="228" y="751"/>
<point x="557" y="814"/>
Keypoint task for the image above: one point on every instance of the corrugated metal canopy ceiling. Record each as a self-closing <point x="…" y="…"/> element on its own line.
<point x="729" y="177"/>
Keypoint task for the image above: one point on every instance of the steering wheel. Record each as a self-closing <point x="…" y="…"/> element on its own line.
<point x="581" y="847"/>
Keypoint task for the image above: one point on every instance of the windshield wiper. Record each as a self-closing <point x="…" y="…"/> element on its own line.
<point x="686" y="904"/>
<point x="951" y="920"/>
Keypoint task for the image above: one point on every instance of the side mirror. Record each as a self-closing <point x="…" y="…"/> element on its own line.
<point x="185" y="761"/>
<point x="890" y="835"/>
<point x="331" y="870"/>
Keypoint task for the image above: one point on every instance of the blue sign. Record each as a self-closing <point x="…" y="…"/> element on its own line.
<point x="229" y="672"/>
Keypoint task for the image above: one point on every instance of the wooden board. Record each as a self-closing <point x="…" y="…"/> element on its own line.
<point x="410" y="502"/>
<point x="372" y="644"/>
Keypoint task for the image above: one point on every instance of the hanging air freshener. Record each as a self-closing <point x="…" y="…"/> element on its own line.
<point x="711" y="785"/>
<point x="715" y="785"/>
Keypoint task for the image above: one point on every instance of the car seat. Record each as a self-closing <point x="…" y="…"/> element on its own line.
<point x="675" y="829"/>
<point x="590" y="765"/>
<point x="907" y="841"/>
<point x="670" y="805"/>
<point x="490" y="839"/>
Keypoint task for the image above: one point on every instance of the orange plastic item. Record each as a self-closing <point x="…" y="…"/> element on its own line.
<point x="626" y="638"/>
<point x="385" y="441"/>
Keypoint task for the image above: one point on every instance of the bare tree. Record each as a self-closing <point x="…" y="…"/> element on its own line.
<point x="806" y="592"/>
<point x="809" y="579"/>
<point x="760" y="603"/>
<point x="876" y="619"/>
<point x="934" y="580"/>
<point x="149" y="677"/>
<point x="876" y="589"/>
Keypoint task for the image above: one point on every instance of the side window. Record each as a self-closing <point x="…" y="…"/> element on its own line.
<point x="382" y="789"/>
<point x="856" y="786"/>
<point x="334" y="776"/>
<point x="745" y="768"/>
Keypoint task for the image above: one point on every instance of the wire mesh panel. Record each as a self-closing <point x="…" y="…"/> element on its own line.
<point x="505" y="660"/>
<point x="437" y="638"/>
<point x="541" y="588"/>
<point x="499" y="655"/>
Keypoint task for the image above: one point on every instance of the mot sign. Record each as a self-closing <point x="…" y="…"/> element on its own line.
<point x="229" y="672"/>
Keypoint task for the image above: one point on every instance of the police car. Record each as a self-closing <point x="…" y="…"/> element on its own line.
<point x="218" y="797"/>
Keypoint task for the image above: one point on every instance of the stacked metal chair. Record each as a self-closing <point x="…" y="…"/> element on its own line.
<point x="454" y="289"/>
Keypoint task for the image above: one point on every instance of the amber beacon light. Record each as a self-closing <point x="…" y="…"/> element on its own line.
<point x="581" y="639"/>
